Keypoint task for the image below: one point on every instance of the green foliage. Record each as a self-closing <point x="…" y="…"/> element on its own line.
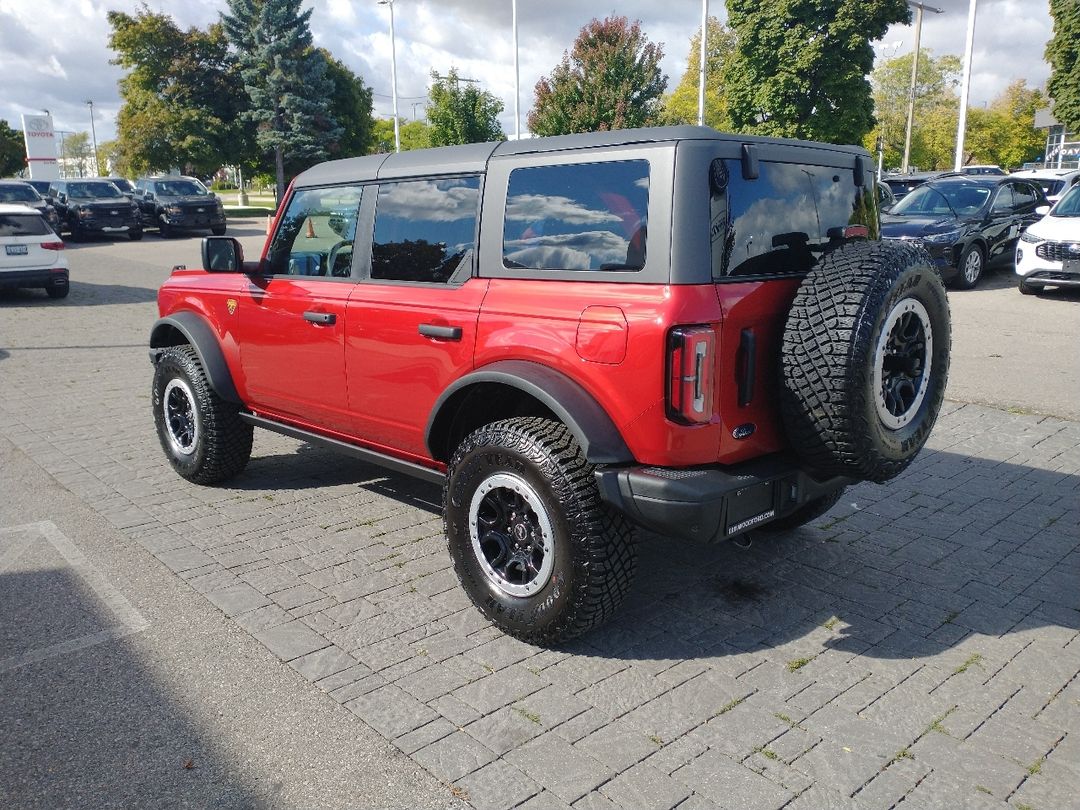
<point x="681" y="107"/>
<point x="610" y="79"/>
<point x="78" y="152"/>
<point x="12" y="150"/>
<point x="414" y="135"/>
<point x="182" y="96"/>
<point x="936" y="102"/>
<point x="1063" y="54"/>
<point x="800" y="66"/>
<point x="350" y="106"/>
<point x="285" y="79"/>
<point x="1005" y="133"/>
<point x="459" y="114"/>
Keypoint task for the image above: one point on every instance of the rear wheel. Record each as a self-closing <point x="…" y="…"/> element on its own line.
<point x="57" y="290"/>
<point x="202" y="435"/>
<point x="865" y="360"/>
<point x="533" y="545"/>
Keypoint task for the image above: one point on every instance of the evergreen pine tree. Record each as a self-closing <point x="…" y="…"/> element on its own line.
<point x="285" y="78"/>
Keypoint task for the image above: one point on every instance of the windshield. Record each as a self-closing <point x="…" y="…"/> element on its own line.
<point x="959" y="200"/>
<point x="90" y="191"/>
<point x="181" y="188"/>
<point x="122" y="184"/>
<point x="1069" y="205"/>
<point x="18" y="193"/>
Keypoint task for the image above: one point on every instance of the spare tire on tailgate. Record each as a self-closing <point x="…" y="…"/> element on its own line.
<point x="865" y="360"/>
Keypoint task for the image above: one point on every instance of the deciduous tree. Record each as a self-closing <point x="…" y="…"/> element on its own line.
<point x="458" y="114"/>
<point x="610" y="79"/>
<point x="800" y="66"/>
<point x="285" y="79"/>
<point x="350" y="106"/>
<point x="414" y="135"/>
<point x="681" y="107"/>
<point x="182" y="95"/>
<point x="12" y="150"/>
<point x="1063" y="54"/>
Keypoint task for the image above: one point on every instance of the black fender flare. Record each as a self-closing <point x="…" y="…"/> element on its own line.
<point x="575" y="407"/>
<point x="201" y="337"/>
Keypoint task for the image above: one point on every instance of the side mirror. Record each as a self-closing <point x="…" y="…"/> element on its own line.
<point x="1042" y="210"/>
<point x="222" y="254"/>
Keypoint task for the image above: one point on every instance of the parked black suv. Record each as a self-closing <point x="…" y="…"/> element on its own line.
<point x="22" y="193"/>
<point x="174" y="203"/>
<point x="965" y="221"/>
<point x="94" y="206"/>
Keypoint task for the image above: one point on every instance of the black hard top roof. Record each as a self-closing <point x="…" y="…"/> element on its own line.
<point x="474" y="157"/>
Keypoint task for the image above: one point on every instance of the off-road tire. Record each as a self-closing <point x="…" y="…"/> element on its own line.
<point x="220" y="445"/>
<point x="593" y="547"/>
<point x="811" y="510"/>
<point x="833" y="339"/>
<point x="135" y="234"/>
<point x="973" y="253"/>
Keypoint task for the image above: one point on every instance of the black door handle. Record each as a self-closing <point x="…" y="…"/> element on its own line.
<point x="320" y="317"/>
<point x="444" y="332"/>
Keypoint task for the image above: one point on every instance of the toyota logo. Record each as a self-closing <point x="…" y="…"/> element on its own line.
<point x="37" y="124"/>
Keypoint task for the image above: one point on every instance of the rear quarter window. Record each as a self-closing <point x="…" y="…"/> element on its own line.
<point x="591" y="216"/>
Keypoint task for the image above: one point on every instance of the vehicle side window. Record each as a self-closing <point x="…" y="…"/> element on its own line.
<point x="584" y="216"/>
<point x="424" y="229"/>
<point x="819" y="203"/>
<point x="1024" y="198"/>
<point x="1004" y="200"/>
<point x="316" y="233"/>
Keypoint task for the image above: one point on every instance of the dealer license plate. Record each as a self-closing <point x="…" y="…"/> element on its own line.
<point x="15" y="250"/>
<point x="1071" y="266"/>
<point x="750" y="506"/>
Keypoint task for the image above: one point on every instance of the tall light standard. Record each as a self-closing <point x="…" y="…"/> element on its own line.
<point x="93" y="133"/>
<point x="393" y="73"/>
<point x="517" y="80"/>
<point x="919" y="8"/>
<point x="701" y="67"/>
<point x="965" y="88"/>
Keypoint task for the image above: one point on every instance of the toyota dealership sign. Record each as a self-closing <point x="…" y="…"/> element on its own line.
<point x="40" y="147"/>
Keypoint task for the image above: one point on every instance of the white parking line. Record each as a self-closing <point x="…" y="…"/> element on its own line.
<point x="14" y="542"/>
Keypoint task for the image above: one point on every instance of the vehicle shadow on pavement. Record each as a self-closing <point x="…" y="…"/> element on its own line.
<point x="85" y="722"/>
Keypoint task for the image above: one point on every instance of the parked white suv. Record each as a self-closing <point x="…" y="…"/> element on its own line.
<point x="1054" y="182"/>
<point x="1048" y="253"/>
<point x="31" y="255"/>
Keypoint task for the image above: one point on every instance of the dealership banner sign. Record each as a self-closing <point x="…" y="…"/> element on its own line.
<point x="40" y="147"/>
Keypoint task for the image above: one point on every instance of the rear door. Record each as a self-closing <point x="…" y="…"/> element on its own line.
<point x="1002" y="226"/>
<point x="411" y="321"/>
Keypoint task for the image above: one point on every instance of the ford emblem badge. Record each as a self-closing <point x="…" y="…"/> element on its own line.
<point x="743" y="431"/>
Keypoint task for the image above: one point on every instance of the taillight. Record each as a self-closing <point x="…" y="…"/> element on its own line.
<point x="52" y="245"/>
<point x="691" y="356"/>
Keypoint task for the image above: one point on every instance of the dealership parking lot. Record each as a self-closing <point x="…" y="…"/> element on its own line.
<point x="298" y="639"/>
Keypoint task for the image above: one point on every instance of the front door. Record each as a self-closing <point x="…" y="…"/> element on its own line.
<point x="293" y="317"/>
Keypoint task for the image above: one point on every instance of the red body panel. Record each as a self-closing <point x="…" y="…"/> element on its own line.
<point x="395" y="373"/>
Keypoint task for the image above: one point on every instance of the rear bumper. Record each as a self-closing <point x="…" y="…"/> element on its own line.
<point x="707" y="503"/>
<point x="46" y="277"/>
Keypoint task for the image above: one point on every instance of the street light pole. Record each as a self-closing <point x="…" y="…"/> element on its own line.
<point x="701" y="67"/>
<point x="93" y="132"/>
<point x="517" y="81"/>
<point x="965" y="87"/>
<point x="919" y="7"/>
<point x="393" y="74"/>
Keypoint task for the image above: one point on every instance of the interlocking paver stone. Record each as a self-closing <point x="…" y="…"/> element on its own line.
<point x="498" y="786"/>
<point x="453" y="756"/>
<point x="645" y="788"/>
<point x="390" y="711"/>
<point x="729" y="784"/>
<point x="291" y="640"/>
<point x="565" y="771"/>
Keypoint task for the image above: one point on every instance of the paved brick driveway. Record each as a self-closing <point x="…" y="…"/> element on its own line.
<point x="919" y="644"/>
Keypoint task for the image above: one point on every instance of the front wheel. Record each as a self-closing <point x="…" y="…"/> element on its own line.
<point x="218" y="230"/>
<point x="1024" y="287"/>
<point x="972" y="262"/>
<point x="533" y="545"/>
<point x="202" y="435"/>
<point x="135" y="234"/>
<point x="165" y="230"/>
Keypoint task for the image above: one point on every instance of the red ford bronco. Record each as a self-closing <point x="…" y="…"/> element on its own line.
<point x="692" y="332"/>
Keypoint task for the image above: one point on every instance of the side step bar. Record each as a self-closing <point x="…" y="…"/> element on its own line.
<point x="362" y="453"/>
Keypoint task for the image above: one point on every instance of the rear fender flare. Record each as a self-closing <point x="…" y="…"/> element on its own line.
<point x="199" y="334"/>
<point x="575" y="407"/>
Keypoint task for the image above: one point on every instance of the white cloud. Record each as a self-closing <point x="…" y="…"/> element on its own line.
<point x="55" y="55"/>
